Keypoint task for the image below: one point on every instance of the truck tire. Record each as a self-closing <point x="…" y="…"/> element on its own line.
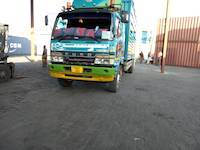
<point x="65" y="82"/>
<point x="12" y="68"/>
<point x="131" y="69"/>
<point x="5" y="72"/>
<point x="114" y="85"/>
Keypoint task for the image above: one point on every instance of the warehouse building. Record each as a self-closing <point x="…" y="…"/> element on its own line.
<point x="17" y="14"/>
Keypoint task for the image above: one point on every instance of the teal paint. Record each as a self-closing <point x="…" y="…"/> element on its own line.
<point x="78" y="4"/>
<point x="130" y="36"/>
<point x="121" y="46"/>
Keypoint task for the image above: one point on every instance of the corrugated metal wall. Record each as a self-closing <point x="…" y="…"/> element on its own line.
<point x="183" y="47"/>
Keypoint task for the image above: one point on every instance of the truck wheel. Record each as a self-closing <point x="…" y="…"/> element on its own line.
<point x="65" y="82"/>
<point x="5" y="73"/>
<point x="114" y="85"/>
<point x="131" y="69"/>
<point x="12" y="68"/>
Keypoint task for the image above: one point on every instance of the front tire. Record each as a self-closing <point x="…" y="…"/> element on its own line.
<point x="114" y="85"/>
<point x="65" y="82"/>
<point x="130" y="70"/>
<point x="132" y="67"/>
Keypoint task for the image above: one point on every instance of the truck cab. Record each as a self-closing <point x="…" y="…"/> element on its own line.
<point x="92" y="42"/>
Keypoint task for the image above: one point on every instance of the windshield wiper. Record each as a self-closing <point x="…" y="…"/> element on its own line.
<point x="58" y="37"/>
<point x="62" y="37"/>
<point x="90" y="37"/>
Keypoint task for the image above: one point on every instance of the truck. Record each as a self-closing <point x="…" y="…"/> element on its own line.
<point x="93" y="40"/>
<point x="6" y="69"/>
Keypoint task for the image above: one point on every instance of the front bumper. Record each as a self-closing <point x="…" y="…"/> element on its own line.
<point x="89" y="73"/>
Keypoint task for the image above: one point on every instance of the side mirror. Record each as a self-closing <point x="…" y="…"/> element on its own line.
<point x="124" y="17"/>
<point x="46" y="21"/>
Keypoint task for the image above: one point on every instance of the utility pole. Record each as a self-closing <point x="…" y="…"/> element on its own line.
<point x="32" y="36"/>
<point x="166" y="31"/>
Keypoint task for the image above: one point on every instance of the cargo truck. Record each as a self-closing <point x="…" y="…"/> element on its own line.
<point x="6" y="69"/>
<point x="93" y="40"/>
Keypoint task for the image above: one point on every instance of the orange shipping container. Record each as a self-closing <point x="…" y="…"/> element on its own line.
<point x="183" y="48"/>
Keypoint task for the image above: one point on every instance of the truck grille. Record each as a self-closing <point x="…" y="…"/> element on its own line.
<point x="79" y="58"/>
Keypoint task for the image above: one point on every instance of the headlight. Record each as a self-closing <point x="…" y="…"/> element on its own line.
<point x="56" y="57"/>
<point x="107" y="60"/>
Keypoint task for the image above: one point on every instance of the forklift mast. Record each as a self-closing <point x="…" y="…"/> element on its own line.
<point x="3" y="42"/>
<point x="6" y="69"/>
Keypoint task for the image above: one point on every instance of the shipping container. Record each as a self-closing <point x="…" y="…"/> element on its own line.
<point x="183" y="48"/>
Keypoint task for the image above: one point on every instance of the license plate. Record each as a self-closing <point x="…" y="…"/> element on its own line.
<point x="77" y="69"/>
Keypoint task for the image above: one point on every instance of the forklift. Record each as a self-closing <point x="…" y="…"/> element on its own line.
<point x="6" y="69"/>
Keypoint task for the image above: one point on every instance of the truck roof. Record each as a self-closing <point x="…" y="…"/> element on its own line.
<point x="86" y="11"/>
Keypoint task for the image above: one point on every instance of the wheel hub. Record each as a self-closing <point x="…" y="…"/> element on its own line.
<point x="118" y="80"/>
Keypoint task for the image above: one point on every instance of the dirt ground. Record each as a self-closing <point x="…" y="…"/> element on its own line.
<point x="152" y="111"/>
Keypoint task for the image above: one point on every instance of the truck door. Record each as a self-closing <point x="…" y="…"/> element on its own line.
<point x="120" y="37"/>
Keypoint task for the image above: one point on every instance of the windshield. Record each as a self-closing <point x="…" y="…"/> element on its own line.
<point x="90" y="25"/>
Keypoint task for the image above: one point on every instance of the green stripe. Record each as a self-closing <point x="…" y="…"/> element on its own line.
<point x="99" y="71"/>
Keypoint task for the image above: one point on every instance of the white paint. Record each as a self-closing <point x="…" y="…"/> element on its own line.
<point x="12" y="51"/>
<point x="85" y="45"/>
<point x="15" y="45"/>
<point x="90" y="46"/>
<point x="90" y="49"/>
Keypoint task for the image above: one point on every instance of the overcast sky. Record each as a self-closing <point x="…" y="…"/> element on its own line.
<point x="148" y="11"/>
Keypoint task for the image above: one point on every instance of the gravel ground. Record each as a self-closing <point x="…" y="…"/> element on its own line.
<point x="152" y="111"/>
